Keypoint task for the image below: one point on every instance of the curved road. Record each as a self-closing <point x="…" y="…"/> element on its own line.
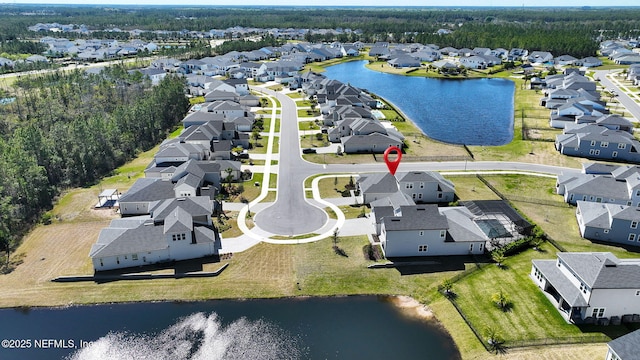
<point x="291" y="214"/>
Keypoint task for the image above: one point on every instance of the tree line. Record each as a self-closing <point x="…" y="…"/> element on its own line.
<point x="573" y="31"/>
<point x="70" y="129"/>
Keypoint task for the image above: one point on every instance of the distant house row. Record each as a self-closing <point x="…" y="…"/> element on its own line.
<point x="589" y="130"/>
<point x="348" y="115"/>
<point x="166" y="216"/>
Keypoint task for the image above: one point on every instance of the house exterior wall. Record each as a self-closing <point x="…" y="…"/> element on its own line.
<point x="617" y="302"/>
<point x="408" y="243"/>
<point x="129" y="260"/>
<point x="184" y="250"/>
<point x="368" y="198"/>
<point x="184" y="190"/>
<point x="620" y="231"/>
<point x="573" y="197"/>
<point x="425" y="192"/>
<point x="134" y="208"/>
<point x="598" y="151"/>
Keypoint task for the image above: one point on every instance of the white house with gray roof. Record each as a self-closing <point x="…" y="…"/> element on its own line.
<point x="590" y="286"/>
<point x="626" y="347"/>
<point x="176" y="229"/>
<point x="419" y="186"/>
<point x="426" y="230"/>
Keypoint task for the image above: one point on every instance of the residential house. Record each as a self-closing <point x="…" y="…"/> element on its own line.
<point x="620" y="186"/>
<point x="565" y="60"/>
<point x="589" y="61"/>
<point x="598" y="142"/>
<point x="138" y="199"/>
<point x="427" y="230"/>
<point x="539" y="57"/>
<point x="375" y="143"/>
<point x="626" y="347"/>
<point x="177" y="229"/>
<point x="426" y="186"/>
<point x="590" y="287"/>
<point x="609" y="223"/>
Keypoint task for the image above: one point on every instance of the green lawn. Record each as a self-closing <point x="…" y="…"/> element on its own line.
<point x="331" y="187"/>
<point x="302" y="113"/>
<point x="308" y="125"/>
<point x="531" y="317"/>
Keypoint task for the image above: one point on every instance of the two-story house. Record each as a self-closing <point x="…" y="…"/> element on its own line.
<point x="590" y="286"/>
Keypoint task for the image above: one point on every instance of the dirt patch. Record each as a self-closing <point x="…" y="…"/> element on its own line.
<point x="412" y="307"/>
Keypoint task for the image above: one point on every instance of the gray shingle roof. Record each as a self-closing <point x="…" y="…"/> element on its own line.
<point x="603" y="270"/>
<point x="378" y="183"/>
<point x="179" y="221"/>
<point x="148" y="189"/>
<point x="417" y="217"/>
<point x="627" y="347"/>
<point x="555" y="277"/>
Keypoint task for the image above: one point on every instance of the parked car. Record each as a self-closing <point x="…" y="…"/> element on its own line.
<point x="308" y="151"/>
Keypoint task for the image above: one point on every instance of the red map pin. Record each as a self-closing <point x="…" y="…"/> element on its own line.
<point x="393" y="165"/>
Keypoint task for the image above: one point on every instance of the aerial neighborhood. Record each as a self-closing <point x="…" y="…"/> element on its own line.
<point x="166" y="216"/>
<point x="202" y="193"/>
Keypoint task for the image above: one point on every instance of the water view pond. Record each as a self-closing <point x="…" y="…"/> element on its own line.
<point x="472" y="112"/>
<point x="363" y="327"/>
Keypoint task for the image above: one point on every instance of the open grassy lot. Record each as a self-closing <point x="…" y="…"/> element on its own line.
<point x="305" y="113"/>
<point x="333" y="186"/>
<point x="308" y="125"/>
<point x="260" y="147"/>
<point x="338" y="159"/>
<point x="469" y="187"/>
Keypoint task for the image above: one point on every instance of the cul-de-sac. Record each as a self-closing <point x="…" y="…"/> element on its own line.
<point x="187" y="154"/>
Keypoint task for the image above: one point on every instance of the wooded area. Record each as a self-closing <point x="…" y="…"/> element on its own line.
<point x="71" y="129"/>
<point x="573" y="31"/>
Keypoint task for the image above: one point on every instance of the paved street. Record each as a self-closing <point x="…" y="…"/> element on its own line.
<point x="608" y="80"/>
<point x="293" y="214"/>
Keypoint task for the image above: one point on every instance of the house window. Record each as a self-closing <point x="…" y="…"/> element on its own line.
<point x="614" y="154"/>
<point x="420" y="196"/>
<point x="421" y="185"/>
<point x="606" y="231"/>
<point x="134" y="257"/>
<point x="439" y="195"/>
<point x="442" y="233"/>
<point x="409" y="186"/>
<point x="421" y="233"/>
<point x="423" y="248"/>
<point x="471" y="247"/>
<point x="598" y="312"/>
<point x="481" y="248"/>
<point x="634" y="224"/>
<point x="597" y="152"/>
<point x="174" y="237"/>
<point x="593" y="143"/>
<point x="632" y="237"/>
<point x="637" y="292"/>
<point x="184" y="236"/>
<point x="101" y="263"/>
<point x="598" y="199"/>
<point x="622" y="146"/>
<point x="117" y="260"/>
<point x="604" y="144"/>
